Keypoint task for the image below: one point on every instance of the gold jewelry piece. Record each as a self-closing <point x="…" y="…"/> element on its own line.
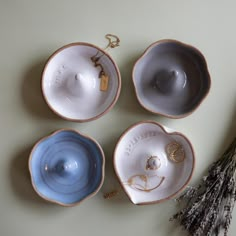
<point x="113" y="41"/>
<point x="111" y="194"/>
<point x="175" y="152"/>
<point x="143" y="186"/>
<point x="153" y="163"/>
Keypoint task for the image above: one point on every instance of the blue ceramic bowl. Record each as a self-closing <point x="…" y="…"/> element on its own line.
<point x="67" y="167"/>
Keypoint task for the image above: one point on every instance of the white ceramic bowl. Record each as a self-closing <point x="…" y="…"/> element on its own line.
<point x="153" y="163"/>
<point x="71" y="82"/>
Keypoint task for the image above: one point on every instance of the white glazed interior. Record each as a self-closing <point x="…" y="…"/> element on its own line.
<point x="71" y="83"/>
<point x="131" y="154"/>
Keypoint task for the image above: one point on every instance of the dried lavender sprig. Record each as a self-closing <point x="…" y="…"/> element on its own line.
<point x="215" y="169"/>
<point x="201" y="226"/>
<point x="211" y="214"/>
<point x="228" y="209"/>
<point x="205" y="213"/>
<point x="216" y="194"/>
<point x="197" y="202"/>
<point x="216" y="209"/>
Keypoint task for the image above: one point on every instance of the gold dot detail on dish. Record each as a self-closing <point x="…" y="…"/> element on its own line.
<point x="175" y="152"/>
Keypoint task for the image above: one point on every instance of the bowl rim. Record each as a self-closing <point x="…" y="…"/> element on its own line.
<point x="149" y="48"/>
<point x="50" y="136"/>
<point x="167" y="133"/>
<point x="51" y="57"/>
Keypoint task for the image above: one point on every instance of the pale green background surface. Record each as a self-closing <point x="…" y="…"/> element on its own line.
<point x="31" y="30"/>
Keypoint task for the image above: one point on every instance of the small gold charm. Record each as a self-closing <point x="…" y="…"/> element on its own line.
<point x="153" y="163"/>
<point x="175" y="152"/>
<point x="111" y="194"/>
<point x="104" y="81"/>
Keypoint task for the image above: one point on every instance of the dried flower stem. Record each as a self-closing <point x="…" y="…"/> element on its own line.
<point x="208" y="208"/>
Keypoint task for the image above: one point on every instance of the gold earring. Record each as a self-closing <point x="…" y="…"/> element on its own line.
<point x="175" y="152"/>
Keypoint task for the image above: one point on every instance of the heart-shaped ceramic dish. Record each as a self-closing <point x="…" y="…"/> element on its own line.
<point x="67" y="167"/>
<point x="81" y="82"/>
<point x="171" y="78"/>
<point x="153" y="163"/>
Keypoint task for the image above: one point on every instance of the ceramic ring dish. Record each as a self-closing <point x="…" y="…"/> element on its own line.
<point x="66" y="167"/>
<point x="171" y="78"/>
<point x="81" y="82"/>
<point x="153" y="163"/>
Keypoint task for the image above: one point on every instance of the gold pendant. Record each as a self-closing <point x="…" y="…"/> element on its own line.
<point x="175" y="152"/>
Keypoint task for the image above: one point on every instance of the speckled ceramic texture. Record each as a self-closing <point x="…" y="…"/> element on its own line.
<point x="71" y="82"/>
<point x="144" y="166"/>
<point x="67" y="167"/>
<point x="171" y="78"/>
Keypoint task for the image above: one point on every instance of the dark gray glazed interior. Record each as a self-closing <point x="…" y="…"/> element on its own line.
<point x="171" y="79"/>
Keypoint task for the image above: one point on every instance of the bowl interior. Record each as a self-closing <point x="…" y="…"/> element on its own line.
<point x="145" y="169"/>
<point x="66" y="167"/>
<point x="71" y="82"/>
<point x="171" y="78"/>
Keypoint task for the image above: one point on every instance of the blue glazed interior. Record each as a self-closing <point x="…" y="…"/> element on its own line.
<point x="66" y="167"/>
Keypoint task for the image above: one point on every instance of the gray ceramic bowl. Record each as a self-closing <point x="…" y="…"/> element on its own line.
<point x="171" y="78"/>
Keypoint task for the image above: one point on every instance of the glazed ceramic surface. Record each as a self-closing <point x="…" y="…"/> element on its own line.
<point x="71" y="82"/>
<point x="152" y="162"/>
<point x="66" y="167"/>
<point x="171" y="78"/>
